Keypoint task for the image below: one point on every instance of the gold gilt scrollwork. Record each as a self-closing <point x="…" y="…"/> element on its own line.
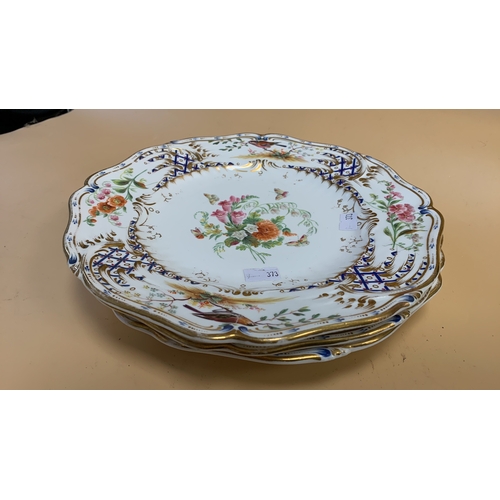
<point x="98" y="239"/>
<point x="371" y="173"/>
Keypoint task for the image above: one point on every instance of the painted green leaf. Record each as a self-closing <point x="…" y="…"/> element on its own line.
<point x="283" y="311"/>
<point x="251" y="240"/>
<point x="387" y="232"/>
<point x="121" y="182"/>
<point x="219" y="247"/>
<point x="271" y="243"/>
<point x="251" y="220"/>
<point x="278" y="220"/>
<point x="408" y="231"/>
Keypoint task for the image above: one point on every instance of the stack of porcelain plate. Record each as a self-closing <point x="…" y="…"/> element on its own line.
<point x="264" y="248"/>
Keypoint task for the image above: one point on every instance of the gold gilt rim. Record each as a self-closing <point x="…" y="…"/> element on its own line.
<point x="289" y="356"/>
<point x="376" y="335"/>
<point x="236" y="334"/>
<point x="249" y="350"/>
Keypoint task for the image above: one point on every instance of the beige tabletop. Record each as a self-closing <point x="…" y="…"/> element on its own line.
<point x="55" y="335"/>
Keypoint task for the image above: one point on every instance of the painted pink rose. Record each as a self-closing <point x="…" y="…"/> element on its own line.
<point x="114" y="217"/>
<point x="404" y="212"/>
<point x="101" y="196"/>
<point x="226" y="205"/>
<point x="397" y="195"/>
<point x="106" y="191"/>
<point x="237" y="216"/>
<point x="399" y="208"/>
<point x="221" y="215"/>
<point x="406" y="218"/>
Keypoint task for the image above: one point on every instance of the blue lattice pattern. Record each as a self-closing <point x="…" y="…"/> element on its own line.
<point x="183" y="164"/>
<point x="366" y="279"/>
<point x="376" y="281"/>
<point x="340" y="166"/>
<point x="119" y="261"/>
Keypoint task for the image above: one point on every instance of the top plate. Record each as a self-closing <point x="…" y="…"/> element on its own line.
<point x="258" y="238"/>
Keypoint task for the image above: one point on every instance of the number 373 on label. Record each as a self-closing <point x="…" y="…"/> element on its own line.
<point x="261" y="274"/>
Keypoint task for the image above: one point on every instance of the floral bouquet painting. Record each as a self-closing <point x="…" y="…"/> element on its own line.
<point x="402" y="218"/>
<point x="247" y="225"/>
<point x="110" y="199"/>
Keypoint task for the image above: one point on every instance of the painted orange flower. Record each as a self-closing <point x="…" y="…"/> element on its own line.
<point x="288" y="233"/>
<point x="105" y="207"/>
<point x="116" y="201"/>
<point x="267" y="231"/>
<point x="93" y="211"/>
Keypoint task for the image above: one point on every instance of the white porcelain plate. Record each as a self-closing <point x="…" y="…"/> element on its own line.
<point x="258" y="239"/>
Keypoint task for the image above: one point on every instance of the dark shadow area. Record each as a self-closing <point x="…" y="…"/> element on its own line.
<point x="13" y="119"/>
